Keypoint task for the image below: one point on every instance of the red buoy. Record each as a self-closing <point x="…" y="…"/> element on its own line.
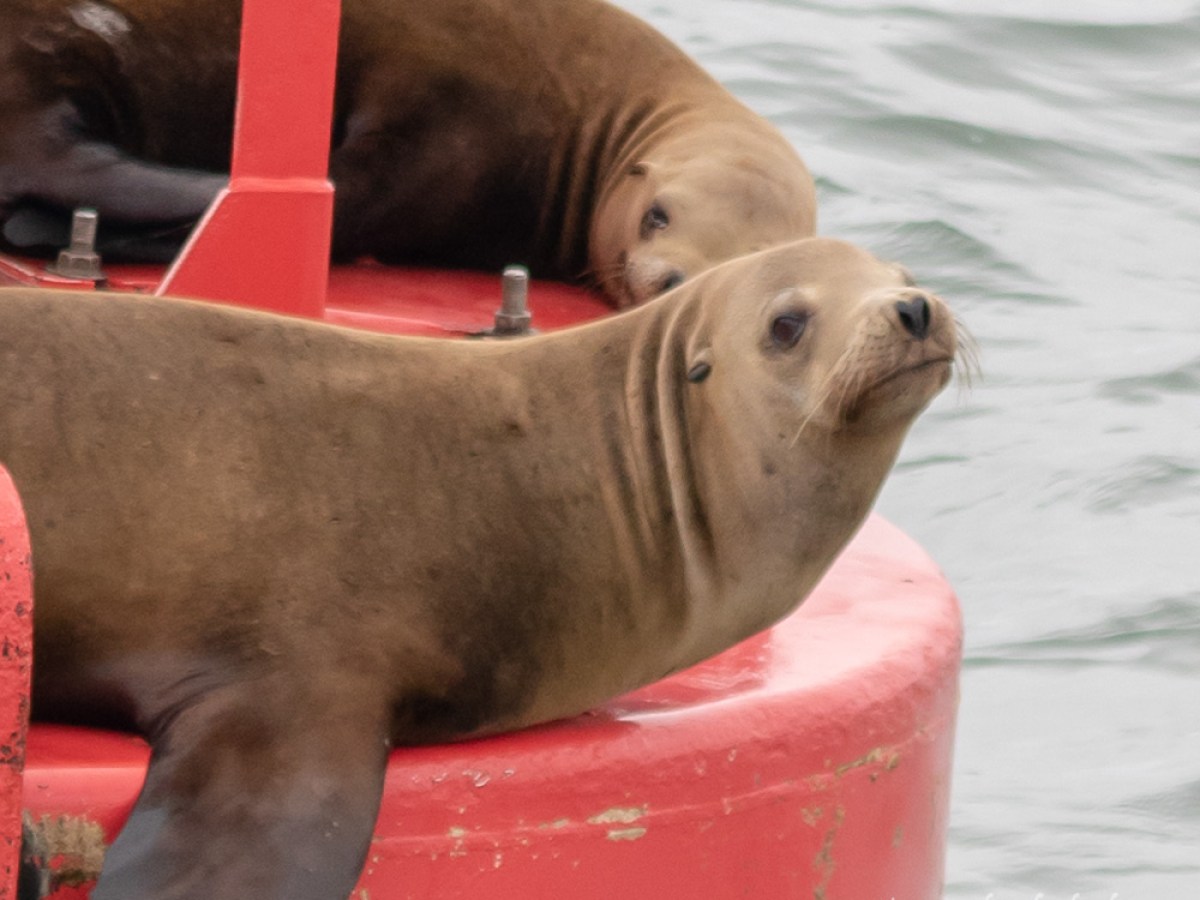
<point x="810" y="761"/>
<point x="16" y="657"/>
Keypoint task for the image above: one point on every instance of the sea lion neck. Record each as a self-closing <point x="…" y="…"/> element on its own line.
<point x="658" y="411"/>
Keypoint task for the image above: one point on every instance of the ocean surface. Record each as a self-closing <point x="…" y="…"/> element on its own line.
<point x="1038" y="165"/>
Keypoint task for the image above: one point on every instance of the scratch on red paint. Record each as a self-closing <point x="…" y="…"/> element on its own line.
<point x="824" y="862"/>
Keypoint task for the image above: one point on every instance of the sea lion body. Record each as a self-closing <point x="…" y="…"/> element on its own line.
<point x="278" y="547"/>
<point x="563" y="134"/>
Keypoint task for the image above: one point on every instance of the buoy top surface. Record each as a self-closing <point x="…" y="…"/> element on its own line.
<point x="882" y="622"/>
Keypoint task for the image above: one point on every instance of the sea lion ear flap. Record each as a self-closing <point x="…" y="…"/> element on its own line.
<point x="700" y="365"/>
<point x="641" y="169"/>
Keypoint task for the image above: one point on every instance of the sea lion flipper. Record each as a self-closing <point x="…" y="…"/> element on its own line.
<point x="146" y="209"/>
<point x="236" y="806"/>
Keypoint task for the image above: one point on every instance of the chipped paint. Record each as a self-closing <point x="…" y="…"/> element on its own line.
<point x="626" y="834"/>
<point x="556" y="824"/>
<point x="890" y="758"/>
<point x="618" y="815"/>
<point x="477" y="777"/>
<point x="459" y="849"/>
<point x="74" y="847"/>
<point x="824" y="863"/>
<point x="621" y="815"/>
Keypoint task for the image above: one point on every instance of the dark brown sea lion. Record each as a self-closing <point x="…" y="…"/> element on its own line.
<point x="279" y="548"/>
<point x="563" y="134"/>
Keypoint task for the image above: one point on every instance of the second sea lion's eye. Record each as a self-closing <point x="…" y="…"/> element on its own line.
<point x="786" y="330"/>
<point x="655" y="219"/>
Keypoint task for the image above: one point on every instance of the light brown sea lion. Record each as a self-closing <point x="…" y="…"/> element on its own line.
<point x="278" y="548"/>
<point x="563" y="134"/>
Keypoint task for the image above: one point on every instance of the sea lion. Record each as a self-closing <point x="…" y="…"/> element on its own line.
<point x="278" y="548"/>
<point x="563" y="134"/>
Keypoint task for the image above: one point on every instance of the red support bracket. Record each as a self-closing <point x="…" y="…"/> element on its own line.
<point x="265" y="240"/>
<point x="16" y="661"/>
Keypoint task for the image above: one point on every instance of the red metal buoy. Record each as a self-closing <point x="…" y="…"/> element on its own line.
<point x="16" y="657"/>
<point x="810" y="761"/>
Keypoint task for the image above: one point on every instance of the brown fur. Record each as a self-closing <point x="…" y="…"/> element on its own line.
<point x="467" y="132"/>
<point x="277" y="547"/>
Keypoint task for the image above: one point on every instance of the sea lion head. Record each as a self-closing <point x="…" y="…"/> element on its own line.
<point x="786" y="384"/>
<point x="705" y="197"/>
<point x="833" y="339"/>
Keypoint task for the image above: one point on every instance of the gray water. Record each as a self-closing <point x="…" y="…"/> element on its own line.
<point x="1037" y="164"/>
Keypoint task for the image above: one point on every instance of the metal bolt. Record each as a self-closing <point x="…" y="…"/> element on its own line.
<point x="513" y="316"/>
<point x="81" y="260"/>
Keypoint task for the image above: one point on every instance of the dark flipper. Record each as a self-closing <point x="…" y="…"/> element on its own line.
<point x="242" y="800"/>
<point x="120" y="187"/>
<point x="146" y="209"/>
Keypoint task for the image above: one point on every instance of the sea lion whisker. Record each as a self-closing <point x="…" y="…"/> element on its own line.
<point x="967" y="364"/>
<point x="822" y="393"/>
<point x="610" y="279"/>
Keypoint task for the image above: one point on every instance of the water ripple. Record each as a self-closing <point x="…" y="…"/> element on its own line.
<point x="1147" y="480"/>
<point x="1165" y="635"/>
<point x="1143" y="390"/>
<point x="966" y="266"/>
<point x="1179" y="803"/>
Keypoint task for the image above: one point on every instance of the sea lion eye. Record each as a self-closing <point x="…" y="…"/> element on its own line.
<point x="671" y="280"/>
<point x="655" y="219"/>
<point x="786" y="330"/>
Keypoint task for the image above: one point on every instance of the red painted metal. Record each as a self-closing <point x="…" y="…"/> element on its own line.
<point x="810" y="761"/>
<point x="434" y="302"/>
<point x="16" y="657"/>
<point x="265" y="240"/>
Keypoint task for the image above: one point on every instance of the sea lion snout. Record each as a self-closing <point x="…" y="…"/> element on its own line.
<point x="901" y="356"/>
<point x="915" y="314"/>
<point x="647" y="275"/>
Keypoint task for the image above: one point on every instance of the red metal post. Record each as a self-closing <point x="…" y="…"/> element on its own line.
<point x="16" y="658"/>
<point x="265" y="240"/>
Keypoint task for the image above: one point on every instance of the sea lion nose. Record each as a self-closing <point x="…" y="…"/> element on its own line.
<point x="915" y="315"/>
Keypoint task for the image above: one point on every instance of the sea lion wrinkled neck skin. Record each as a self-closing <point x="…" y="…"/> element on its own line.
<point x="472" y="133"/>
<point x="279" y="548"/>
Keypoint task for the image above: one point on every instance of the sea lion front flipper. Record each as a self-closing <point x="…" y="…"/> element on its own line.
<point x="248" y="797"/>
